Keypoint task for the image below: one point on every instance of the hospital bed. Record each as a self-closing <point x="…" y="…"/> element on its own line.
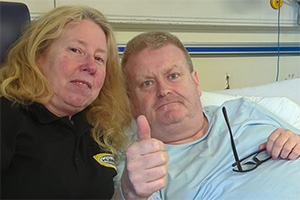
<point x="282" y="98"/>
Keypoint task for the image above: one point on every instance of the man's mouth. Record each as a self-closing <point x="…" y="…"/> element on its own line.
<point x="166" y="104"/>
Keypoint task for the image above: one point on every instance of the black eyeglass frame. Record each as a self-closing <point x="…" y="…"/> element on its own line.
<point x="238" y="161"/>
<point x="257" y="162"/>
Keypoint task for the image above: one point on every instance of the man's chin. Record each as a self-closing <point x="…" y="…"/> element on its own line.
<point x="170" y="118"/>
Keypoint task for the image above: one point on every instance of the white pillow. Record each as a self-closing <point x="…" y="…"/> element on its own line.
<point x="282" y="107"/>
<point x="286" y="88"/>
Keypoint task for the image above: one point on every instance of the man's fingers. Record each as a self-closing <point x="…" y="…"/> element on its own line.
<point x="144" y="190"/>
<point x="155" y="159"/>
<point x="283" y="143"/>
<point x="275" y="143"/>
<point x="287" y="148"/>
<point x="295" y="153"/>
<point x="147" y="168"/>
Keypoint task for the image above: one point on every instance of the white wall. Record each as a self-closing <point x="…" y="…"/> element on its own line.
<point x="208" y="23"/>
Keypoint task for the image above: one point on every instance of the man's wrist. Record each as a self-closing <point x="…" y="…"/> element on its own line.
<point x="121" y="191"/>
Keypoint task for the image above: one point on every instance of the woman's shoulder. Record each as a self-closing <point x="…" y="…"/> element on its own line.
<point x="4" y="101"/>
<point x="10" y="111"/>
<point x="8" y="105"/>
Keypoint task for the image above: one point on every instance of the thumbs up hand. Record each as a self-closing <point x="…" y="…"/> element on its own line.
<point x="146" y="164"/>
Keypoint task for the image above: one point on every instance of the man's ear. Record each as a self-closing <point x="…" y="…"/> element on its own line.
<point x="132" y="107"/>
<point x="196" y="79"/>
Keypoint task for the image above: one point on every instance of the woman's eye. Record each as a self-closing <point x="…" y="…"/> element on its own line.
<point x="99" y="59"/>
<point x="74" y="50"/>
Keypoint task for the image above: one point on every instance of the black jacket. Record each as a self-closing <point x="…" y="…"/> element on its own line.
<point x="47" y="157"/>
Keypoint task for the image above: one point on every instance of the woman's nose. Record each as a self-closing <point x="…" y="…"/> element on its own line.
<point x="89" y="65"/>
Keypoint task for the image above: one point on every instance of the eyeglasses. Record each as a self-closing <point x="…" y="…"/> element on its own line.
<point x="250" y="162"/>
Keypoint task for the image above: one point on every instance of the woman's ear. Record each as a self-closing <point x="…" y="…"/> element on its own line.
<point x="38" y="60"/>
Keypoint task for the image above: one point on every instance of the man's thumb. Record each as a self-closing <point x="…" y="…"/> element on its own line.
<point x="262" y="146"/>
<point x="144" y="132"/>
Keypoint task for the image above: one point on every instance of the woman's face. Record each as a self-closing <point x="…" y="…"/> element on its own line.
<point x="75" y="66"/>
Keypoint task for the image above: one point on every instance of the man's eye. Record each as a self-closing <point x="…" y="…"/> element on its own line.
<point x="146" y="83"/>
<point x="174" y="76"/>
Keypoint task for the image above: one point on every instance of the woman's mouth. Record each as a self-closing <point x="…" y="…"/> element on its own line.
<point x="83" y="83"/>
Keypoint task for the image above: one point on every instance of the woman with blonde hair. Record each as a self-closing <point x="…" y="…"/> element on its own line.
<point x="63" y="108"/>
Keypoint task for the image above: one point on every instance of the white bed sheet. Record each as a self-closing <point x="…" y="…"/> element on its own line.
<point x="287" y="88"/>
<point x="281" y="98"/>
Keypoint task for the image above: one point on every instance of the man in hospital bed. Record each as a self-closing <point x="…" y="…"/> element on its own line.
<point x="192" y="154"/>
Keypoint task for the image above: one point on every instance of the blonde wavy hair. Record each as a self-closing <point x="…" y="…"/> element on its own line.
<point x="23" y="83"/>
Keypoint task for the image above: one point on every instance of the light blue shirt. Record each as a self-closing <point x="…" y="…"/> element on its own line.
<point x="202" y="169"/>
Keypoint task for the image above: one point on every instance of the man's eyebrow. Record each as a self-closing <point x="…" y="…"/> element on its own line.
<point x="170" y="68"/>
<point x="143" y="76"/>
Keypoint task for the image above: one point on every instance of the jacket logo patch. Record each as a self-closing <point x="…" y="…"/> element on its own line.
<point x="106" y="160"/>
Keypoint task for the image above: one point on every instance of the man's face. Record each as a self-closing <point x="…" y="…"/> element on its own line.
<point x="162" y="88"/>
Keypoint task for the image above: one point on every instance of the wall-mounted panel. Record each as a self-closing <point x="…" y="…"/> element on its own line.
<point x="195" y="12"/>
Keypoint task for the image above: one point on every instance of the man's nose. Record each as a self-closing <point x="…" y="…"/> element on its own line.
<point x="163" y="89"/>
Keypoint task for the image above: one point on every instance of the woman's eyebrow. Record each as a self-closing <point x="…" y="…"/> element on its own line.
<point x="82" y="42"/>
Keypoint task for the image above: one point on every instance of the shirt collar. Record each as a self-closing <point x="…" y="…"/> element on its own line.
<point x="43" y="115"/>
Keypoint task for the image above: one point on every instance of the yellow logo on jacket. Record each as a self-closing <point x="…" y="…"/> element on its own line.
<point x="106" y="160"/>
